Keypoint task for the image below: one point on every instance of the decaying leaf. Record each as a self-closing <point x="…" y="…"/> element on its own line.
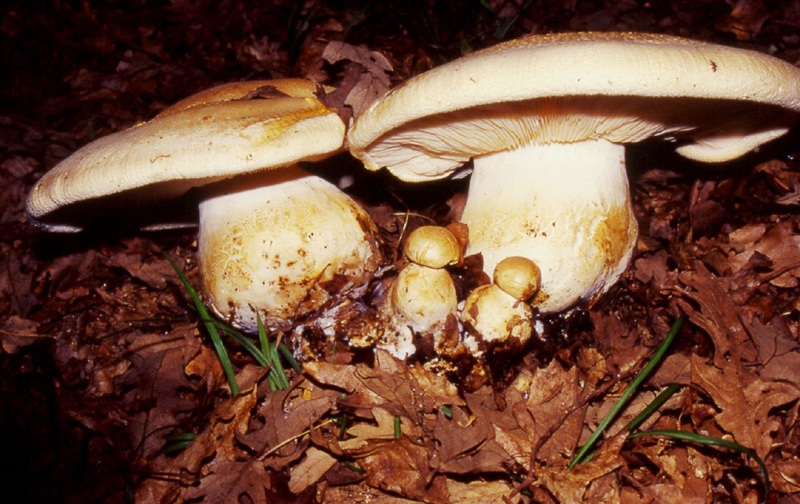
<point x="366" y="75"/>
<point x="315" y="464"/>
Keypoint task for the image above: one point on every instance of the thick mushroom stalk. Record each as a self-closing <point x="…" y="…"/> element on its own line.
<point x="280" y="245"/>
<point x="564" y="206"/>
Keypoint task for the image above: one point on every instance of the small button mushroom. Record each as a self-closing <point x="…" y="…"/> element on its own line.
<point x="434" y="247"/>
<point x="499" y="312"/>
<point x="423" y="294"/>
<point x="274" y="240"/>
<point x="519" y="277"/>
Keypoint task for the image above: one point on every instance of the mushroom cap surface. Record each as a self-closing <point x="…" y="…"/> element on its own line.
<point x="219" y="133"/>
<point x="433" y="246"/>
<point x="719" y="101"/>
<point x="518" y="277"/>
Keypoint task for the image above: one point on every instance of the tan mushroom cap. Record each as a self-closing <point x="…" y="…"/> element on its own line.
<point x="244" y="90"/>
<point x="518" y="277"/>
<point x="433" y="246"/>
<point x="622" y="87"/>
<point x="198" y="142"/>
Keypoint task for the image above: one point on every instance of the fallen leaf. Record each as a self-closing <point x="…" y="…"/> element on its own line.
<point x="310" y="470"/>
<point x="590" y="482"/>
<point x="745" y="402"/>
<point x="366" y="71"/>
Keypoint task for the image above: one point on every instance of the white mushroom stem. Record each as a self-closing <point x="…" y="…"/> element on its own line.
<point x="280" y="245"/>
<point x="565" y="206"/>
<point x="424" y="296"/>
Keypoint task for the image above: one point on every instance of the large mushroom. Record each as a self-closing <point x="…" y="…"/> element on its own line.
<point x="274" y="240"/>
<point x="545" y="120"/>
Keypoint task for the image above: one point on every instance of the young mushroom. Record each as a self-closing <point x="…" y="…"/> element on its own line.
<point x="423" y="294"/>
<point x="545" y="120"/>
<point x="499" y="312"/>
<point x="274" y="240"/>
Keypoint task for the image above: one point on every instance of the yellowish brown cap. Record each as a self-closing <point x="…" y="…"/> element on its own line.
<point x="433" y="246"/>
<point x="518" y="277"/>
<point x="199" y="142"/>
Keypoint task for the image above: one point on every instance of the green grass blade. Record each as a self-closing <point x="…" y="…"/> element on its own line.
<point x="277" y="367"/>
<point x="342" y="426"/>
<point x="178" y="442"/>
<point x="712" y="441"/>
<point x="263" y="340"/>
<point x="243" y="340"/>
<point x="206" y="318"/>
<point x="651" y="408"/>
<point x="273" y="382"/>
<point x="623" y="400"/>
<point x="447" y="411"/>
<point x="277" y="373"/>
<point x="287" y="354"/>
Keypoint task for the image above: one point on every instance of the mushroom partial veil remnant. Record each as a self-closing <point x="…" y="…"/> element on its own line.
<point x="274" y="240"/>
<point x="545" y="119"/>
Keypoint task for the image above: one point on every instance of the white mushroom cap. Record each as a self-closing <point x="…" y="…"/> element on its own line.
<point x="535" y="88"/>
<point x="275" y="241"/>
<point x="536" y="97"/>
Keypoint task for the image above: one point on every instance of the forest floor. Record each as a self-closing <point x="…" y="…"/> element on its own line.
<point x="110" y="390"/>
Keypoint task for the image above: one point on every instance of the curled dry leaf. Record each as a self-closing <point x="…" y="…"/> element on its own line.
<point x="366" y="74"/>
<point x="17" y="332"/>
<point x="779" y="245"/>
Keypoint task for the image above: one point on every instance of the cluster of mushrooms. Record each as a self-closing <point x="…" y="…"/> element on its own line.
<point x="543" y="120"/>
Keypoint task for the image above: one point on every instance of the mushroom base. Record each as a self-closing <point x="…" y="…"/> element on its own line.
<point x="565" y="206"/>
<point x="280" y="249"/>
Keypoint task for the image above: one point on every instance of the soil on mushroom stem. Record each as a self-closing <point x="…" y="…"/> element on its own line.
<point x="101" y="360"/>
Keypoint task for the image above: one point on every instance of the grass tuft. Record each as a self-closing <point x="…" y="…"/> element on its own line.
<point x="584" y="455"/>
<point x="268" y="355"/>
<point x="640" y="378"/>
